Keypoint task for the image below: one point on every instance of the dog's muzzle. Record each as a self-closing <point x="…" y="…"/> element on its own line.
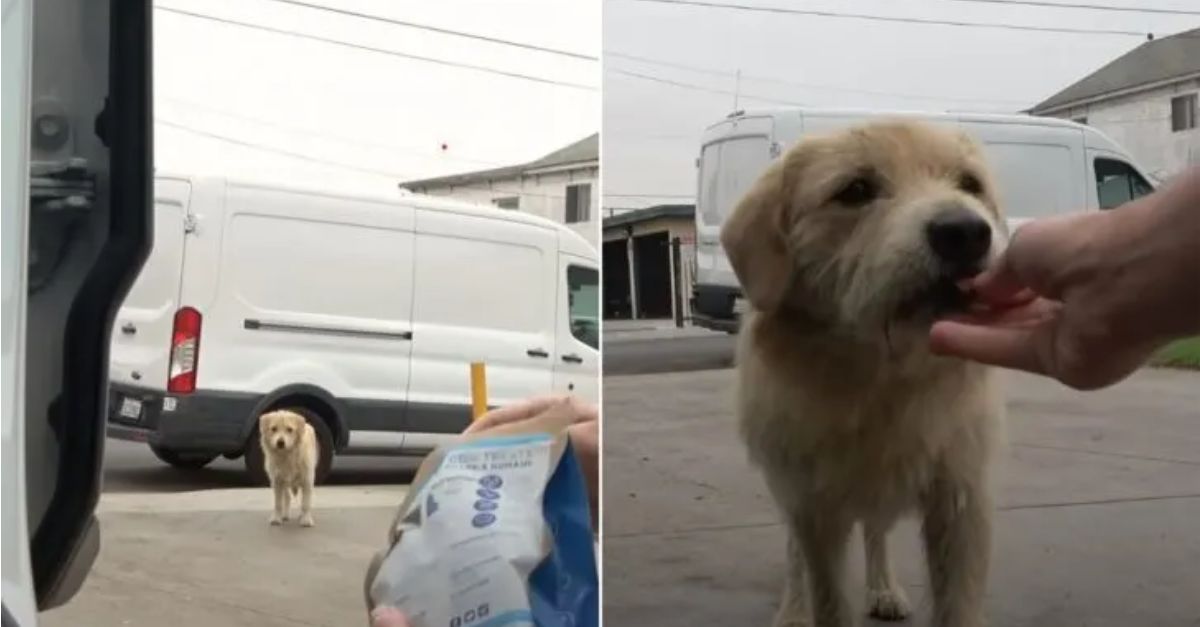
<point x="280" y="444"/>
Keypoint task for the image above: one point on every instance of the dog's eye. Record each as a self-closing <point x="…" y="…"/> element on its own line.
<point x="970" y="184"/>
<point x="290" y="429"/>
<point x="858" y="192"/>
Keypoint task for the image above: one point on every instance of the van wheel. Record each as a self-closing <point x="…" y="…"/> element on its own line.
<point x="256" y="471"/>
<point x="177" y="459"/>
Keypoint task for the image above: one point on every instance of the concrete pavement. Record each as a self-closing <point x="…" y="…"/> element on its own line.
<point x="193" y="549"/>
<point x="1098" y="494"/>
<point x="648" y="346"/>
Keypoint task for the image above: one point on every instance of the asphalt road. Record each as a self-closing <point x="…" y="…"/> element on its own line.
<point x="131" y="467"/>
<point x="675" y="354"/>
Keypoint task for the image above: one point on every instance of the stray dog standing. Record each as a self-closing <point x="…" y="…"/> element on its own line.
<point x="847" y="248"/>
<point x="289" y="447"/>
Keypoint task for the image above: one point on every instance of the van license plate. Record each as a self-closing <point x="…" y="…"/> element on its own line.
<point x="131" y="408"/>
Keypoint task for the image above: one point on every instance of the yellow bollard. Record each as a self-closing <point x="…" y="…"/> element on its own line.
<point x="479" y="404"/>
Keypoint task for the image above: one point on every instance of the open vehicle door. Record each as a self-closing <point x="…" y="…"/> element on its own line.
<point x="77" y="197"/>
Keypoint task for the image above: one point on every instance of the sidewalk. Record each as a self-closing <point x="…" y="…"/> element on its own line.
<point x="616" y="331"/>
<point x="198" y="559"/>
<point x="1098" y="498"/>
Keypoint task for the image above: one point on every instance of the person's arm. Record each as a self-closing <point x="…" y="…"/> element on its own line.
<point x="1087" y="298"/>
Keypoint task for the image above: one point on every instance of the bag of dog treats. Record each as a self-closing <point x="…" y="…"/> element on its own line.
<point x="495" y="531"/>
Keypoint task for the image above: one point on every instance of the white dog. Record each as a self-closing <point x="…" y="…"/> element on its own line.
<point x="289" y="447"/>
<point x="847" y="248"/>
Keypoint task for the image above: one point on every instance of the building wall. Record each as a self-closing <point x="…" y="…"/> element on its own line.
<point x="542" y="195"/>
<point x="1141" y="123"/>
<point x="685" y="230"/>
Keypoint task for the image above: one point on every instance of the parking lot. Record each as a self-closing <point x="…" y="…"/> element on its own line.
<point x="1098" y="493"/>
<point x="192" y="549"/>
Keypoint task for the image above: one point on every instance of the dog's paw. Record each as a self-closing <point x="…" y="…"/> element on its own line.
<point x="307" y="520"/>
<point x="888" y="604"/>
<point x="276" y="519"/>
<point x="789" y="620"/>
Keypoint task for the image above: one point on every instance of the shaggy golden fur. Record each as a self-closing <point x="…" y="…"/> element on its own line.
<point x="289" y="447"/>
<point x="841" y="405"/>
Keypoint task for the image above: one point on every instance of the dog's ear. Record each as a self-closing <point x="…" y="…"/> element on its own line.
<point x="753" y="238"/>
<point x="264" y="421"/>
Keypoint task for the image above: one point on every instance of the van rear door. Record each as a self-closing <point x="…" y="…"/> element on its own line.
<point x="735" y="154"/>
<point x="141" y="337"/>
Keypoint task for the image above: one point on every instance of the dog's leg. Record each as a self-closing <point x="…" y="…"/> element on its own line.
<point x="280" y="513"/>
<point x="306" y="491"/>
<point x="286" y="498"/>
<point x="793" y="608"/>
<point x="823" y="537"/>
<point x="885" y="596"/>
<point x="958" y="538"/>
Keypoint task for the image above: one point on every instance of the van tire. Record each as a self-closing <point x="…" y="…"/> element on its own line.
<point x="177" y="459"/>
<point x="253" y="458"/>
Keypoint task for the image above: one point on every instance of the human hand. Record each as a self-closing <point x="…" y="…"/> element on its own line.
<point x="389" y="617"/>
<point x="1087" y="298"/>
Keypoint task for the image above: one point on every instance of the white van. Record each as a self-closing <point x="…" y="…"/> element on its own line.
<point x="1043" y="166"/>
<point x="362" y="313"/>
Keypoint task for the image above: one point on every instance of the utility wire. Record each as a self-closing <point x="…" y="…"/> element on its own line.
<point x="780" y="81"/>
<point x="394" y="53"/>
<point x="262" y="147"/>
<point x="694" y="86"/>
<point x="437" y="29"/>
<point x="1096" y="7"/>
<point x="906" y="20"/>
<point x="295" y="130"/>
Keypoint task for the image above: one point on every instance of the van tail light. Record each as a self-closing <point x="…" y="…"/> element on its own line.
<point x="185" y="351"/>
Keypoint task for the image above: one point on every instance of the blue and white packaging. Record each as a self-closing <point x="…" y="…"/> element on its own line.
<point x="495" y="532"/>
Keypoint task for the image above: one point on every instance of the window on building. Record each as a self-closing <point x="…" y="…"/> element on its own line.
<point x="507" y="202"/>
<point x="579" y="203"/>
<point x="1080" y="120"/>
<point x="1118" y="183"/>
<point x="1184" y="112"/>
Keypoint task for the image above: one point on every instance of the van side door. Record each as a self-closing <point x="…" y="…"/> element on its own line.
<point x="484" y="292"/>
<point x="577" y="347"/>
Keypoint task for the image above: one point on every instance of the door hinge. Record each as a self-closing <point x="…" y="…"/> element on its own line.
<point x="189" y="224"/>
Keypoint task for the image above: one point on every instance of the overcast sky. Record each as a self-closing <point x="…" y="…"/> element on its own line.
<point x="375" y="119"/>
<point x="651" y="129"/>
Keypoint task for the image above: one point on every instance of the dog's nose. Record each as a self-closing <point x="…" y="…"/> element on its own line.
<point x="278" y="443"/>
<point x="960" y="239"/>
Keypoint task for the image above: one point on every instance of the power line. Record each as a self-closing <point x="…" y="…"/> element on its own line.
<point x="304" y="131"/>
<point x="262" y="147"/>
<point x="694" y="86"/>
<point x="781" y="81"/>
<point x="394" y="53"/>
<point x="1097" y="7"/>
<point x="437" y="29"/>
<point x="906" y="20"/>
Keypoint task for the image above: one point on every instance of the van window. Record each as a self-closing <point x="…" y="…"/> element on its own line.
<point x="743" y="160"/>
<point x="1033" y="180"/>
<point x="710" y="161"/>
<point x="479" y="284"/>
<point x="315" y="267"/>
<point x="583" y="289"/>
<point x="579" y="203"/>
<point x="1118" y="183"/>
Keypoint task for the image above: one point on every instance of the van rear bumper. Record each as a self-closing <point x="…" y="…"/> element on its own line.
<point x="713" y="307"/>
<point x="203" y="421"/>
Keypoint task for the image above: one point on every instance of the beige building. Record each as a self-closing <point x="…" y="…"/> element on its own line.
<point x="649" y="262"/>
<point x="563" y="186"/>
<point x="1146" y="100"/>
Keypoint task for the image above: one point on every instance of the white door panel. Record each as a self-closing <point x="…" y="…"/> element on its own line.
<point x="484" y="291"/>
<point x="141" y="336"/>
